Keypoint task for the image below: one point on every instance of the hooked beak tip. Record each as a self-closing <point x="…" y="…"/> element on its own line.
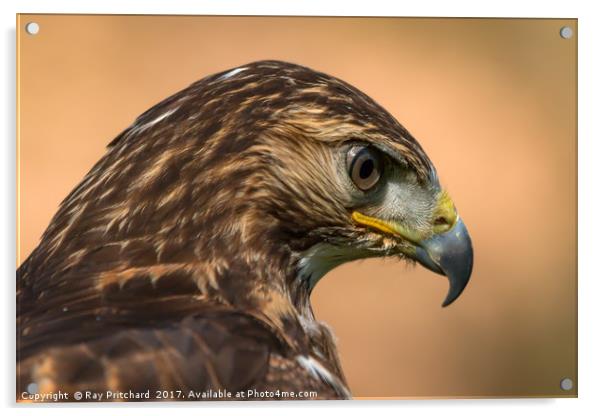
<point x="450" y="254"/>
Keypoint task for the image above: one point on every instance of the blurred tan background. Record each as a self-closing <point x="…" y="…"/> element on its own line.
<point x="492" y="101"/>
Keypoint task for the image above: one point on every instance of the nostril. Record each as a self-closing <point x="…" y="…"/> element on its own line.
<point x="441" y="221"/>
<point x="443" y="224"/>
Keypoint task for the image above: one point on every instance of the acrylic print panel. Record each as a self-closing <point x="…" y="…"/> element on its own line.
<point x="183" y="255"/>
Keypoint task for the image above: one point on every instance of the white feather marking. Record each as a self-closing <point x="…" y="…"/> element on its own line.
<point x="233" y="72"/>
<point x="140" y="128"/>
<point x="317" y="371"/>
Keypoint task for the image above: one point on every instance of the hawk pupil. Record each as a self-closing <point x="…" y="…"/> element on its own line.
<point x="366" y="169"/>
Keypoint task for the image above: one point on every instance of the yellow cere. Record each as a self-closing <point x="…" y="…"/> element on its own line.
<point x="446" y="210"/>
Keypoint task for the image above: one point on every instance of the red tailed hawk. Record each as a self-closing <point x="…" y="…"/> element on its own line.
<point x="185" y="259"/>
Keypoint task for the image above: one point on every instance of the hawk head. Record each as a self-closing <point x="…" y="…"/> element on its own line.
<point x="260" y="178"/>
<point x="328" y="176"/>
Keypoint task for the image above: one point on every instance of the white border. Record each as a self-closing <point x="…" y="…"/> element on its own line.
<point x="590" y="176"/>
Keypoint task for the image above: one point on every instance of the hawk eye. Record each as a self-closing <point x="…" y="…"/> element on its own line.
<point x="364" y="165"/>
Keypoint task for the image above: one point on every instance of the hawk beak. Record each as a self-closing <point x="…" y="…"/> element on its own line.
<point x="448" y="251"/>
<point x="449" y="254"/>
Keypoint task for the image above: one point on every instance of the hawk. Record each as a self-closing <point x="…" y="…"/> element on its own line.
<point x="181" y="267"/>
